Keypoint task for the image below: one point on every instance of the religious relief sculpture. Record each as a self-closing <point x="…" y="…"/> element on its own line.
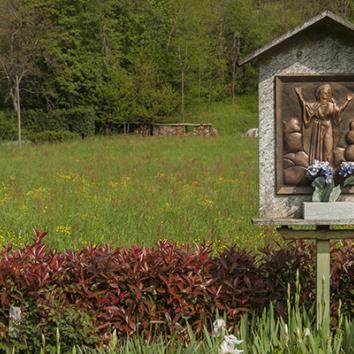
<point x="319" y="121"/>
<point x="312" y="129"/>
<point x="295" y="160"/>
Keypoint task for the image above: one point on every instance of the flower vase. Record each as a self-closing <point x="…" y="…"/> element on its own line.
<point x="328" y="211"/>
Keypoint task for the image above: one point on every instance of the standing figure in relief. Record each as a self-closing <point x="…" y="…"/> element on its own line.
<point x="318" y="121"/>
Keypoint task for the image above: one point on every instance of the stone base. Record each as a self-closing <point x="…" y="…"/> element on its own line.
<point x="326" y="211"/>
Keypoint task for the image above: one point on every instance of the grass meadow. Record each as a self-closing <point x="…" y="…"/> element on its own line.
<point x="126" y="190"/>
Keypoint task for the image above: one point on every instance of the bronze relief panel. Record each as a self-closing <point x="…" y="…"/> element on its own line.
<point x="314" y="121"/>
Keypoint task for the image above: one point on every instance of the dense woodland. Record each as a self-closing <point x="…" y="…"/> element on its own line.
<point x="68" y="62"/>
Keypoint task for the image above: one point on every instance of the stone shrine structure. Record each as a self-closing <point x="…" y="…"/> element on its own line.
<point x="306" y="110"/>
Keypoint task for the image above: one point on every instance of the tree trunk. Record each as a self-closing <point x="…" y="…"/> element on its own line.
<point x="235" y="51"/>
<point x="18" y="109"/>
<point x="199" y="84"/>
<point x="233" y="68"/>
<point x="182" y="94"/>
<point x="209" y="94"/>
<point x="183" y="65"/>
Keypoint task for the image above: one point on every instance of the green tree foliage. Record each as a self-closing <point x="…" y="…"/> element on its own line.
<point x="21" y="38"/>
<point x="133" y="61"/>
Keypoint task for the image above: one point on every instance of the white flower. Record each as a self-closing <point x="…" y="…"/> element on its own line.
<point x="218" y="327"/>
<point x="224" y="349"/>
<point x="306" y="332"/>
<point x="316" y="164"/>
<point x="228" y="345"/>
<point x="232" y="340"/>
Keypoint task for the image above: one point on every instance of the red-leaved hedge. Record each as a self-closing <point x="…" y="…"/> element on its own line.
<point x="155" y="290"/>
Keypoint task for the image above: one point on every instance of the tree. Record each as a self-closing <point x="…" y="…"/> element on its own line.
<point x="20" y="40"/>
<point x="114" y="87"/>
<point x="137" y="61"/>
<point x="193" y="38"/>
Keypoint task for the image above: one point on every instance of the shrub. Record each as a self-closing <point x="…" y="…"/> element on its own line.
<point x="81" y="120"/>
<point x="8" y="129"/>
<point x="153" y="291"/>
<point x="40" y="320"/>
<point x="50" y="136"/>
<point x="239" y="282"/>
<point x="78" y="120"/>
<point x="35" y="120"/>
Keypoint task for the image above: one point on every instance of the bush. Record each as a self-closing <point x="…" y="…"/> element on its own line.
<point x="81" y="120"/>
<point x="50" y="136"/>
<point x="34" y="120"/>
<point x="8" y="129"/>
<point x="39" y="320"/>
<point x="153" y="291"/>
<point x="40" y="121"/>
<point x="78" y="120"/>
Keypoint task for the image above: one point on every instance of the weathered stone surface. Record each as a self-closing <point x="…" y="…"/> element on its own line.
<point x="181" y="129"/>
<point x="288" y="163"/>
<point x="342" y="26"/>
<point x="322" y="55"/>
<point x="291" y="126"/>
<point x="214" y="132"/>
<point x="339" y="155"/>
<point x="295" y="176"/>
<point x="350" y="137"/>
<point x="169" y="130"/>
<point x="293" y="142"/>
<point x="144" y="130"/>
<point x="203" y="130"/>
<point x="299" y="159"/>
<point x="349" y="153"/>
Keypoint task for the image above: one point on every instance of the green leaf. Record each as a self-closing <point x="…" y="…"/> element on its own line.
<point x="317" y="195"/>
<point x="319" y="182"/>
<point x="327" y="192"/>
<point x="335" y="194"/>
<point x="349" y="181"/>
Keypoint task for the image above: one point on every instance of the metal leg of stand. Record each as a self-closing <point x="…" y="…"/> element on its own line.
<point x="323" y="281"/>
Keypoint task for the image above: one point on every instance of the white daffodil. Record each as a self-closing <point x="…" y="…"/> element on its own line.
<point x="232" y="340"/>
<point x="225" y="349"/>
<point x="228" y="345"/>
<point x="219" y="326"/>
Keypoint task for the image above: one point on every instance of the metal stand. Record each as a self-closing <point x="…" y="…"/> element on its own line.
<point x="322" y="231"/>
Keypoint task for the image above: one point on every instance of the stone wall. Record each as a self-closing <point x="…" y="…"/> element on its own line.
<point x="204" y="130"/>
<point x="169" y="130"/>
<point x="178" y="129"/>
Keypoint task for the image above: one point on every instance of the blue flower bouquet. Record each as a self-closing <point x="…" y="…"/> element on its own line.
<point x="321" y="175"/>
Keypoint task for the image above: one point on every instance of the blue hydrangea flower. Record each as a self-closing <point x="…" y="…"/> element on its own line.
<point x="346" y="168"/>
<point x="312" y="172"/>
<point x="320" y="169"/>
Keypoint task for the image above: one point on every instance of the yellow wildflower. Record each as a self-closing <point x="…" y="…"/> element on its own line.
<point x="64" y="230"/>
<point x="208" y="203"/>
